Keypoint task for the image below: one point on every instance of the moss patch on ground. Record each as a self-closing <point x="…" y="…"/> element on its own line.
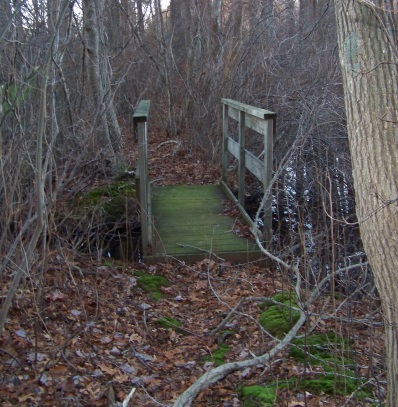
<point x="218" y="356"/>
<point x="152" y="284"/>
<point x="332" y="352"/>
<point x="331" y="355"/>
<point x="258" y="396"/>
<point x="169" y="323"/>
<point x="320" y="349"/>
<point x="279" y="319"/>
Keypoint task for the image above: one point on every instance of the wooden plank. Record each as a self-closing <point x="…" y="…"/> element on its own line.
<point x="141" y="114"/>
<point x="233" y="113"/>
<point x="253" y="122"/>
<point x="254" y="111"/>
<point x="253" y="164"/>
<point x="233" y="147"/>
<point x="256" y="124"/>
<point x="189" y="224"/>
<point x="233" y="257"/>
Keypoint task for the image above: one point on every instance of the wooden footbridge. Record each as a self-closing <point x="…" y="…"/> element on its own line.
<point x="186" y="222"/>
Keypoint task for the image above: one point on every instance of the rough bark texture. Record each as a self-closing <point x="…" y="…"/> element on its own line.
<point x="367" y="41"/>
<point x="99" y="76"/>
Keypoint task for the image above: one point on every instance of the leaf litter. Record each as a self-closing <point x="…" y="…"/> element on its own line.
<point x="98" y="329"/>
<point x="76" y="359"/>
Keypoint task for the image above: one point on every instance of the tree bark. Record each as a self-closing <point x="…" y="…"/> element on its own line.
<point x="99" y="75"/>
<point x="368" y="54"/>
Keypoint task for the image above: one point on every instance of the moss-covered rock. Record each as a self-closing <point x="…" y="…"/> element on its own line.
<point x="152" y="283"/>
<point x="105" y="221"/>
<point x="279" y="319"/>
<point x="117" y="189"/>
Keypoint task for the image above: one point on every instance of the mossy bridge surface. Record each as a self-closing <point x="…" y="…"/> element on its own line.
<point x="187" y="222"/>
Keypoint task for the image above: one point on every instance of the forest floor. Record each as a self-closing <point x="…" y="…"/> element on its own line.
<point x="95" y="335"/>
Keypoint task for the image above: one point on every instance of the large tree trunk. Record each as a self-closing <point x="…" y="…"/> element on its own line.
<point x="368" y="53"/>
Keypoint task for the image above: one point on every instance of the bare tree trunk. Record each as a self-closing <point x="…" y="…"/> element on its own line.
<point x="99" y="75"/>
<point x="140" y="17"/>
<point x="40" y="218"/>
<point x="5" y="23"/>
<point x="166" y="70"/>
<point x="368" y="54"/>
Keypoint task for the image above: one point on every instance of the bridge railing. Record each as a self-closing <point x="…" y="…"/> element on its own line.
<point x="140" y="121"/>
<point x="263" y="122"/>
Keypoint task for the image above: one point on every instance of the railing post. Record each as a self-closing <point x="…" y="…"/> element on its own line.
<point x="268" y="158"/>
<point x="224" y="162"/>
<point x="143" y="183"/>
<point x="242" y="159"/>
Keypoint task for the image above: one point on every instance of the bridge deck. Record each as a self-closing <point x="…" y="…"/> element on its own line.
<point x="189" y="225"/>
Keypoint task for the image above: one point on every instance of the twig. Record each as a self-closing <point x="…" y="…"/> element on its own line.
<point x="169" y="142"/>
<point x="11" y="356"/>
<point x="179" y="328"/>
<point x="139" y="358"/>
<point x="372" y="379"/>
<point x="128" y="398"/>
<point x="228" y="317"/>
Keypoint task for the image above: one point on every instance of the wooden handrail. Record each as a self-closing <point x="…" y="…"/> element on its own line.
<point x="140" y="120"/>
<point x="263" y="122"/>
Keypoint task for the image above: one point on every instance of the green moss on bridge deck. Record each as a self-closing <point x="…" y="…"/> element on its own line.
<point x="189" y="225"/>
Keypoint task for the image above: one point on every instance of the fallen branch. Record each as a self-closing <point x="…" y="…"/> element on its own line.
<point x="220" y="372"/>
